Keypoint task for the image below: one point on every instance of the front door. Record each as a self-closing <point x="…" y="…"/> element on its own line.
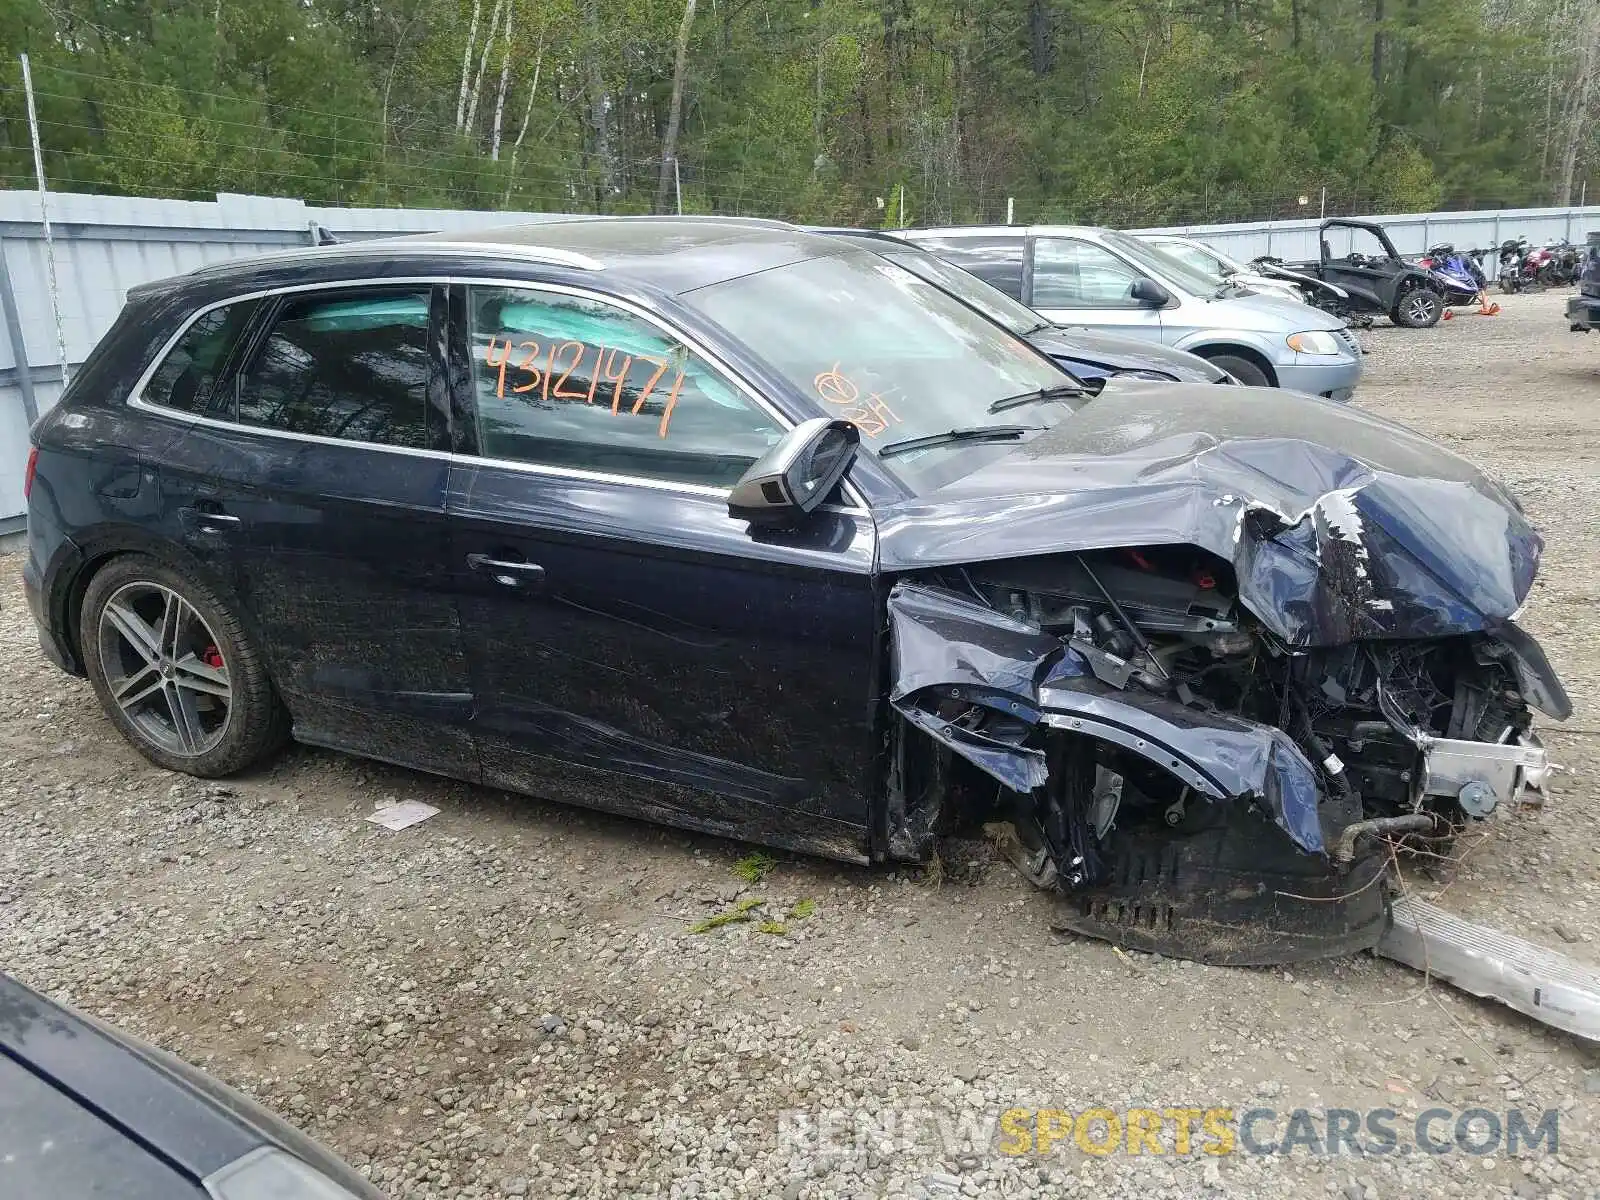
<point x="633" y="647"/>
<point x="1075" y="282"/>
<point x="316" y="474"/>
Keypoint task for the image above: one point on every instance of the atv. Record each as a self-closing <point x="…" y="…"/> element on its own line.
<point x="1379" y="284"/>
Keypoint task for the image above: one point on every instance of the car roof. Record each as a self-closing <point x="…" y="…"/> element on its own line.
<point x="672" y="254"/>
<point x="958" y="231"/>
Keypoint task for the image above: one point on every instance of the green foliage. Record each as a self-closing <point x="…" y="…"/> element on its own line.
<point x="739" y="914"/>
<point x="1122" y="111"/>
<point x="753" y="868"/>
<point x="803" y="909"/>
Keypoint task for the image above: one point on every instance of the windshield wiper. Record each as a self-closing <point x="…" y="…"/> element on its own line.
<point x="1039" y="328"/>
<point x="978" y="433"/>
<point x="1060" y="391"/>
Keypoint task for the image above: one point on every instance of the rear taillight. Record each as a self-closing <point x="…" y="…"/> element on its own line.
<point x="28" y="471"/>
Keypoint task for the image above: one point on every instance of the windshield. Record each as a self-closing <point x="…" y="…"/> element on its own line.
<point x="877" y="345"/>
<point x="1165" y="266"/>
<point x="964" y="286"/>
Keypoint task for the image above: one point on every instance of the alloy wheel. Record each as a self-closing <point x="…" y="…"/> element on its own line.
<point x="164" y="670"/>
<point x="1419" y="308"/>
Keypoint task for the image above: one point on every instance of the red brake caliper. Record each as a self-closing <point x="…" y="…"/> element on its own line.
<point x="212" y="657"/>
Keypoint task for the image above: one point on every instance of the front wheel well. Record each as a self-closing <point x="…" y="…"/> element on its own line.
<point x="1255" y="358"/>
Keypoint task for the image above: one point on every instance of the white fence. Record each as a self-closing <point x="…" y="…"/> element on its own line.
<point x="1412" y="233"/>
<point x="104" y="245"/>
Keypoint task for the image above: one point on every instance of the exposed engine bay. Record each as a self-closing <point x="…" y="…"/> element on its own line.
<point x="1146" y="732"/>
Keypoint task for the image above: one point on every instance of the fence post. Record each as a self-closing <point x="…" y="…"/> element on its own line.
<point x="19" y="345"/>
<point x="44" y="219"/>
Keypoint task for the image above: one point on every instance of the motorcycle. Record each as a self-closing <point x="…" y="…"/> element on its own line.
<point x="1514" y="273"/>
<point x="1566" y="263"/>
<point x="1457" y="278"/>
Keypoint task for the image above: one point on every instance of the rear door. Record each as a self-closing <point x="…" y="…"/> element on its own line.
<point x="314" y="476"/>
<point x="633" y="647"/>
<point x="1076" y="282"/>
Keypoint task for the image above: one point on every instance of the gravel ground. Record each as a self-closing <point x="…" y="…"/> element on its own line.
<point x="508" y="1000"/>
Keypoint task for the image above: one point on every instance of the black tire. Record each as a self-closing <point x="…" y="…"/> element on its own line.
<point x="195" y="693"/>
<point x="1508" y="283"/>
<point x="1420" y="308"/>
<point x="1242" y="369"/>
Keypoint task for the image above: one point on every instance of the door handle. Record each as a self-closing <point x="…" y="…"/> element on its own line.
<point x="204" y="519"/>
<point x="507" y="572"/>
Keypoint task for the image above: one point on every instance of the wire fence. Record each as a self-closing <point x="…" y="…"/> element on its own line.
<point x="116" y="136"/>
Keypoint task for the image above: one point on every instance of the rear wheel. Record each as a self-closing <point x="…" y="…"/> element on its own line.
<point x="1242" y="369"/>
<point x="175" y="670"/>
<point x="1418" y="309"/>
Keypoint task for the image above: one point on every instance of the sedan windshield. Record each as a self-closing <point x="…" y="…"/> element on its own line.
<point x="1164" y="266"/>
<point x="879" y="346"/>
<point x="964" y="286"/>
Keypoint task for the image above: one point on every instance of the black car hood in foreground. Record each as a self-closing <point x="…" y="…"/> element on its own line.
<point x="1115" y="354"/>
<point x="1341" y="526"/>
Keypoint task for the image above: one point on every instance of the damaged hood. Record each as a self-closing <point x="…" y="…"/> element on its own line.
<point x="1340" y="525"/>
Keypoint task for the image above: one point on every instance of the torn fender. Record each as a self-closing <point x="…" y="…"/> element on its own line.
<point x="945" y="648"/>
<point x="1220" y="757"/>
<point x="949" y="652"/>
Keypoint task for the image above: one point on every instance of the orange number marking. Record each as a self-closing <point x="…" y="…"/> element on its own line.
<point x="573" y="366"/>
<point x="527" y="365"/>
<point x="499" y="365"/>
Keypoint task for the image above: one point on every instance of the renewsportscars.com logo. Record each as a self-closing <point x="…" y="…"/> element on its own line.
<point x="1101" y="1130"/>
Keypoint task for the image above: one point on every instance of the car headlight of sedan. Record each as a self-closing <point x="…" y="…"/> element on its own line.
<point x="1141" y="373"/>
<point x="1314" y="341"/>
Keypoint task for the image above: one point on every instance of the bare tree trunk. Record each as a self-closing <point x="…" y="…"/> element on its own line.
<point x="669" y="142"/>
<point x="1580" y="98"/>
<point x="483" y="62"/>
<point x="1377" y="46"/>
<point x="1040" y="49"/>
<point x="599" y="101"/>
<point x="527" y="113"/>
<point x="466" y="66"/>
<point x="505" y="75"/>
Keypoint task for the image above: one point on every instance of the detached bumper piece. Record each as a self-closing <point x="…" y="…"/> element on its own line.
<point x="1235" y="895"/>
<point x="1539" y="983"/>
<point x="1480" y="776"/>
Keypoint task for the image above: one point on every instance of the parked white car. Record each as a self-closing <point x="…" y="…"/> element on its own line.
<point x="1214" y="262"/>
<point x="1112" y="282"/>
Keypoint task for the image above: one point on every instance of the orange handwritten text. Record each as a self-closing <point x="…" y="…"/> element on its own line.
<point x="871" y="415"/>
<point x="562" y="375"/>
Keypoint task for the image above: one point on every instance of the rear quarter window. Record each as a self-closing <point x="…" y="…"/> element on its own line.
<point x="187" y="378"/>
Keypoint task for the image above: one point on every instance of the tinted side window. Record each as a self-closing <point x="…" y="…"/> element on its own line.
<point x="187" y="378"/>
<point x="352" y="365"/>
<point x="1068" y="273"/>
<point x="569" y="382"/>
<point x="995" y="260"/>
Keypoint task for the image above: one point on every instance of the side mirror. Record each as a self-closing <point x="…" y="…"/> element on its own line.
<point x="796" y="475"/>
<point x="1150" y="293"/>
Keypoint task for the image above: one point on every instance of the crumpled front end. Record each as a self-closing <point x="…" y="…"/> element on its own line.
<point x="1196" y="779"/>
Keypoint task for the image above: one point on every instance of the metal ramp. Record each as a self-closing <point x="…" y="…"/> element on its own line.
<point x="1546" y="986"/>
